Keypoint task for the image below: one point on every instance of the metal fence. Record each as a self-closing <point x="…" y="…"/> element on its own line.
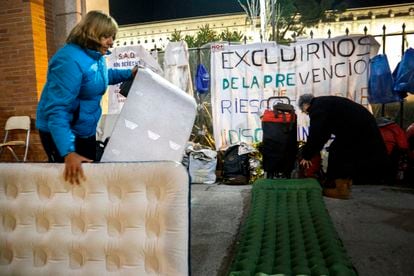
<point x="401" y="112"/>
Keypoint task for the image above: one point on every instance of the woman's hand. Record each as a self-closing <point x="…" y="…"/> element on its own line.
<point x="73" y="168"/>
<point x="305" y="163"/>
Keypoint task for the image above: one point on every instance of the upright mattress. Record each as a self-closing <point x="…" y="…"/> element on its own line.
<point x="155" y="122"/>
<point x="126" y="219"/>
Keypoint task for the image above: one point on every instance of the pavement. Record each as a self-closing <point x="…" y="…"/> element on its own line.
<point x="376" y="226"/>
<point x="217" y="212"/>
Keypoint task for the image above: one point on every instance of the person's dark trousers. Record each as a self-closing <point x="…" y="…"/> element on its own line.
<point x="84" y="146"/>
<point x="340" y="161"/>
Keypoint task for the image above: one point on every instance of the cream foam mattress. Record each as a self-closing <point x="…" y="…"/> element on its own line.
<point x="126" y="219"/>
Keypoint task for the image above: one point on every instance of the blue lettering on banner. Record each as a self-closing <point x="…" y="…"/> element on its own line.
<point x="233" y="136"/>
<point x="129" y="63"/>
<point x="248" y="135"/>
<point x="277" y="80"/>
<point x="303" y="133"/>
<point x="314" y="75"/>
<point x="237" y="105"/>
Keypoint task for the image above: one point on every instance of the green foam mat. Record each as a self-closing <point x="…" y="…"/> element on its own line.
<point x="288" y="231"/>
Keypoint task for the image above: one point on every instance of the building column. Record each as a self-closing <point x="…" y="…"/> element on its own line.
<point x="70" y="12"/>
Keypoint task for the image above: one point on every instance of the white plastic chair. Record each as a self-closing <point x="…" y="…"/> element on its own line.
<point x="16" y="124"/>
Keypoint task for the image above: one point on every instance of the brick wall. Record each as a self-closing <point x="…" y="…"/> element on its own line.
<point x="26" y="44"/>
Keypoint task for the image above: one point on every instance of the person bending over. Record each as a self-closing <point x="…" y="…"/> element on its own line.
<point x="357" y="153"/>
<point x="69" y="107"/>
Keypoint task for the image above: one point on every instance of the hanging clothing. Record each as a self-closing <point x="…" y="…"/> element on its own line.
<point x="176" y="66"/>
<point x="393" y="135"/>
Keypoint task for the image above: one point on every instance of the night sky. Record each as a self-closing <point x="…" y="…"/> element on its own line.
<point x="139" y="11"/>
<point x="130" y="12"/>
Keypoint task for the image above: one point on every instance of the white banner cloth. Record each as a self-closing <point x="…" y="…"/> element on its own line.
<point x="244" y="76"/>
<point x="124" y="58"/>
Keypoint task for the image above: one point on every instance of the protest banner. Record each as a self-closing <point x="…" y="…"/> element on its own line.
<point x="244" y="76"/>
<point x="124" y="58"/>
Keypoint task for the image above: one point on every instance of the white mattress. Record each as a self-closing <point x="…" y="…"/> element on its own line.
<point x="126" y="219"/>
<point x="155" y="122"/>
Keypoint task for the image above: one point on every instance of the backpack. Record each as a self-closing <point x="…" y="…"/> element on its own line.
<point x="235" y="167"/>
<point x="202" y="79"/>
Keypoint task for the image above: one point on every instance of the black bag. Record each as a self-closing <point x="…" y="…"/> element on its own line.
<point x="100" y="148"/>
<point x="279" y="146"/>
<point x="125" y="87"/>
<point x="236" y="169"/>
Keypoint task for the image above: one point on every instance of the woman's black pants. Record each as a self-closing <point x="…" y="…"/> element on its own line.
<point x="83" y="146"/>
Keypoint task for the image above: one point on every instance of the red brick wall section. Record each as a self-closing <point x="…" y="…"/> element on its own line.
<point x="26" y="43"/>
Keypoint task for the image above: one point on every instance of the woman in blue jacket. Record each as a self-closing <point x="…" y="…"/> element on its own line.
<point x="69" y="107"/>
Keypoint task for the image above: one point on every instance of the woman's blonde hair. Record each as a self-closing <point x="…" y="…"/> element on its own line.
<point x="88" y="32"/>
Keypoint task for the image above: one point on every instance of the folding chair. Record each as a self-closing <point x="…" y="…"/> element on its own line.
<point x="16" y="124"/>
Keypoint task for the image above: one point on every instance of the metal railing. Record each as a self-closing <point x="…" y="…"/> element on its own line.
<point x="202" y="55"/>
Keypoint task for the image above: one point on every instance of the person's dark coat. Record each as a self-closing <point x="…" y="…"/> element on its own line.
<point x="358" y="150"/>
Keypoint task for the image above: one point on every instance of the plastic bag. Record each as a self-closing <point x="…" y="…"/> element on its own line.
<point x="202" y="79"/>
<point x="404" y="74"/>
<point x="202" y="166"/>
<point x="381" y="83"/>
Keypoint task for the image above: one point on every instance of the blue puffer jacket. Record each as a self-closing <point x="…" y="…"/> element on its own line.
<point x="76" y="80"/>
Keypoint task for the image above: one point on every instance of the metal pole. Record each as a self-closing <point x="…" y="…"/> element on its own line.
<point x="263" y="21"/>
<point x="383" y="39"/>
<point x="273" y="20"/>
<point x="402" y="54"/>
<point x="383" y="52"/>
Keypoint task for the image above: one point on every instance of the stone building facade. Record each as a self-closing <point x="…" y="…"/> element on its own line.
<point x="157" y="34"/>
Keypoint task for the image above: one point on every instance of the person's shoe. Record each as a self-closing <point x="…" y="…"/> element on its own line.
<point x="342" y="189"/>
<point x="328" y="183"/>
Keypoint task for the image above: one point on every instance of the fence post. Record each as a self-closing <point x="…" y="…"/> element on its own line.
<point x="383" y="52"/>
<point x="383" y="38"/>
<point x="198" y="55"/>
<point x="403" y="40"/>
<point x="329" y="33"/>
<point x="402" y="54"/>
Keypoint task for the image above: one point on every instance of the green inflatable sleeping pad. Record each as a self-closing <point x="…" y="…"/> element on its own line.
<point x="288" y="231"/>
